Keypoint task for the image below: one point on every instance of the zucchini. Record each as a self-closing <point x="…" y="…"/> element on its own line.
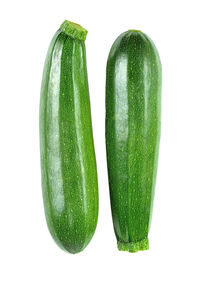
<point x="68" y="164"/>
<point x="133" y="113"/>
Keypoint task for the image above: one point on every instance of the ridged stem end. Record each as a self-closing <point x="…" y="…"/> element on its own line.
<point x="134" y="247"/>
<point x="74" y="30"/>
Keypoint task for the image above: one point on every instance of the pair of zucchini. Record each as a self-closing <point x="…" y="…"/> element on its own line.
<point x="68" y="164"/>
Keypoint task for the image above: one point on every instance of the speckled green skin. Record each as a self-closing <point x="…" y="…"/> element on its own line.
<point x="133" y="109"/>
<point x="68" y="165"/>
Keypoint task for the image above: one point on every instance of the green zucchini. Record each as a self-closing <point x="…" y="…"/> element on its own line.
<point x="133" y="121"/>
<point x="68" y="164"/>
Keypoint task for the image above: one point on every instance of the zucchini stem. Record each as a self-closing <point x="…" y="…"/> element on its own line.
<point x="134" y="247"/>
<point x="74" y="30"/>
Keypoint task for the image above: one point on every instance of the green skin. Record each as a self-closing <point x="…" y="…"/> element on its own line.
<point x="133" y="110"/>
<point x="68" y="164"/>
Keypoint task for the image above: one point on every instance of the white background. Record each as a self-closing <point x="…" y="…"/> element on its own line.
<point x="26" y="248"/>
